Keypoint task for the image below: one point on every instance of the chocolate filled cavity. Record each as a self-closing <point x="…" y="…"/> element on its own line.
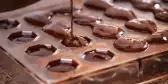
<point x="57" y="30"/>
<point x="120" y="13"/>
<point x="101" y="4"/>
<point x="130" y="45"/>
<point x="86" y="20"/>
<point x="142" y="25"/>
<point x="7" y="24"/>
<point x="76" y="41"/>
<point x="62" y="65"/>
<point x="22" y="36"/>
<point x="158" y="37"/>
<point x="40" y="18"/>
<point x="107" y="31"/>
<point x="98" y="55"/>
<point x="144" y="4"/>
<point x="64" y="8"/>
<point x="41" y="50"/>
<point x="161" y="14"/>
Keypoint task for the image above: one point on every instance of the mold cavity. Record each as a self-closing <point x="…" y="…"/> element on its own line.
<point x="22" y="36"/>
<point x="41" y="50"/>
<point x="7" y="24"/>
<point x="62" y="65"/>
<point x="98" y="55"/>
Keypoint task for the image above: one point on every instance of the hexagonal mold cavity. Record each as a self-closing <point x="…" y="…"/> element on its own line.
<point x="98" y="55"/>
<point x="7" y="24"/>
<point x="41" y="50"/>
<point x="62" y="65"/>
<point x="22" y="36"/>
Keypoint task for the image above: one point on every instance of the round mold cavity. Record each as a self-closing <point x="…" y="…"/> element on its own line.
<point x="41" y="50"/>
<point x="8" y="24"/>
<point x="22" y="36"/>
<point x="98" y="55"/>
<point x="9" y="5"/>
<point x="62" y="65"/>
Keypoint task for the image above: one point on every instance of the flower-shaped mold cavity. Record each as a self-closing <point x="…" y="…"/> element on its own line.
<point x="98" y="55"/>
<point x="7" y="24"/>
<point x="22" y="36"/>
<point x="62" y="65"/>
<point x="41" y="50"/>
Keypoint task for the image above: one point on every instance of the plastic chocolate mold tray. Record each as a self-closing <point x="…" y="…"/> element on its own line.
<point x="38" y="66"/>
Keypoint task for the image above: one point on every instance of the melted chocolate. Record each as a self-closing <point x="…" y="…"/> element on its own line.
<point x="142" y="25"/>
<point x="121" y="13"/>
<point x="76" y="41"/>
<point x="7" y="24"/>
<point x="41" y="50"/>
<point x="39" y="18"/>
<point x="62" y="65"/>
<point x="158" y="37"/>
<point x="144" y="4"/>
<point x="98" y="55"/>
<point x="161" y="14"/>
<point x="130" y="45"/>
<point x="107" y="31"/>
<point x="58" y="30"/>
<point x="87" y="20"/>
<point x="64" y="8"/>
<point x="101" y="4"/>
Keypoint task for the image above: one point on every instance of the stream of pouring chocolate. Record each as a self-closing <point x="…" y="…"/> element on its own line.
<point x="71" y="4"/>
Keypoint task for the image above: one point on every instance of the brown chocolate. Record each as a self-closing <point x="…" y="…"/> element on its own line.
<point x="107" y="31"/>
<point x="142" y="25"/>
<point x="40" y="18"/>
<point x="84" y="19"/>
<point x="158" y="37"/>
<point x="144" y="4"/>
<point x="165" y="0"/>
<point x="76" y="41"/>
<point x="121" y="13"/>
<point x="62" y="65"/>
<point x="7" y="24"/>
<point x="130" y="45"/>
<point x="58" y="30"/>
<point x="64" y="8"/>
<point x="98" y="55"/>
<point x="101" y="4"/>
<point x="161" y="14"/>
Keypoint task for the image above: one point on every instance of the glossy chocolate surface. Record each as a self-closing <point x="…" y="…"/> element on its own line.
<point x="158" y="37"/>
<point x="107" y="31"/>
<point x="144" y="4"/>
<point x="101" y="4"/>
<point x="142" y="25"/>
<point x="58" y="30"/>
<point x="86" y="20"/>
<point x="161" y="14"/>
<point x="40" y="18"/>
<point x="120" y="13"/>
<point x="130" y="45"/>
